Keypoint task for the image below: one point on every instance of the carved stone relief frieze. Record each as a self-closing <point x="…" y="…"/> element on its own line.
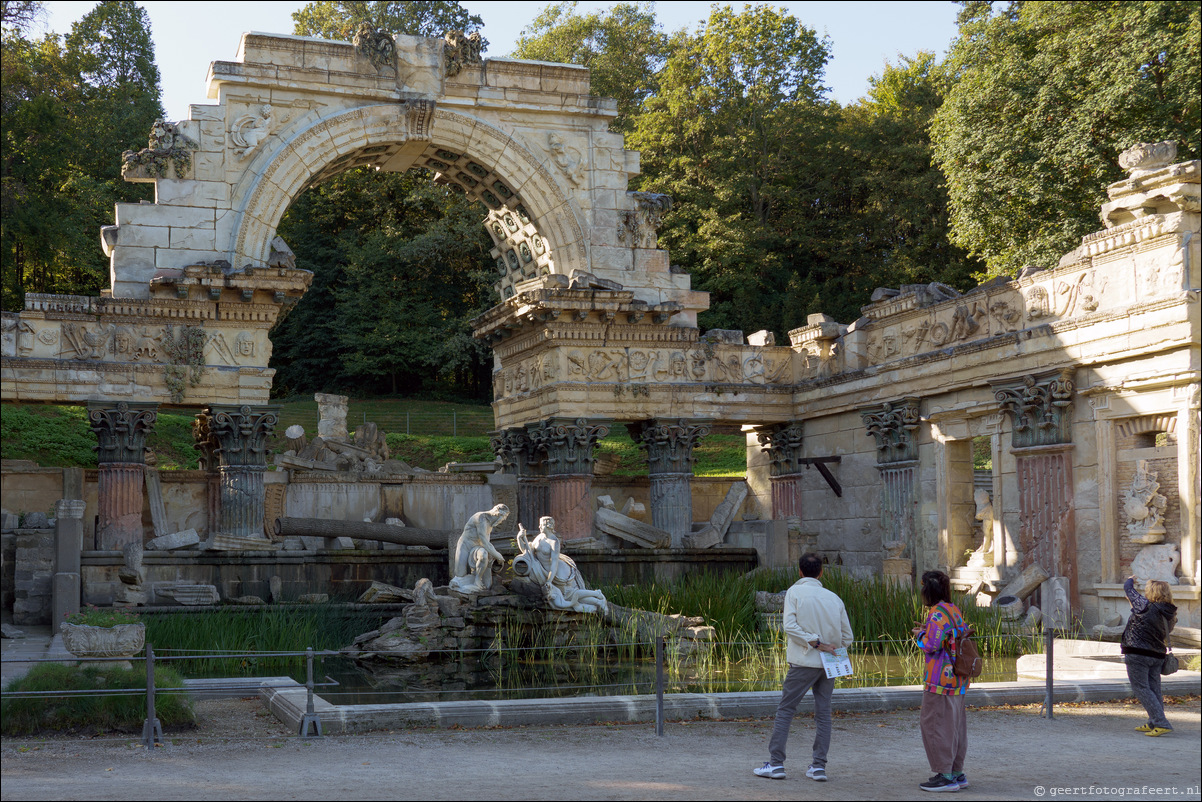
<point x="1144" y="506"/>
<point x="461" y="50"/>
<point x="250" y="129"/>
<point x="378" y="47"/>
<point x="638" y="228"/>
<point x="735" y="365"/>
<point x="566" y="158"/>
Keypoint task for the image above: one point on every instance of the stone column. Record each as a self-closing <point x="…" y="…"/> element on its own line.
<point x="1040" y="409"/>
<point x="520" y="457"/>
<point x="68" y="543"/>
<point x="234" y="440"/>
<point x="782" y="444"/>
<point x="568" y="445"/>
<point x="893" y="425"/>
<point x="121" y="431"/>
<point x="669" y="444"/>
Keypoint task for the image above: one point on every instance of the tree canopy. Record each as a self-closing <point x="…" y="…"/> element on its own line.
<point x="1043" y="98"/>
<point x="69" y="108"/>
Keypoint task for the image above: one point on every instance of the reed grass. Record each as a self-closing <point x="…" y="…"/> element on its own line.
<point x="322" y="627"/>
<point x="92" y="712"/>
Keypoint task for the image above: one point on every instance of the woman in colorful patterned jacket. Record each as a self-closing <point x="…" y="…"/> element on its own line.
<point x="944" y="728"/>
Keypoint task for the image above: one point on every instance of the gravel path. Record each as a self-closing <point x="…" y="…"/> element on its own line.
<point x="239" y="751"/>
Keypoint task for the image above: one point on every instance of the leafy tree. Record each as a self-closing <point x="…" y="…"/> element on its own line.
<point x="904" y="212"/>
<point x="624" y="48"/>
<point x="20" y="14"/>
<point x="332" y="19"/>
<point x="68" y="111"/>
<point x="400" y="265"/>
<point x="739" y="116"/>
<point x="1044" y="98"/>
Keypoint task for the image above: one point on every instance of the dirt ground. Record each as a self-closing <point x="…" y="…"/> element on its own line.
<point x="239" y="751"/>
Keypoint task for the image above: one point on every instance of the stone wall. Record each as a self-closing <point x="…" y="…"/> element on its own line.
<point x="345" y="574"/>
<point x="33" y="576"/>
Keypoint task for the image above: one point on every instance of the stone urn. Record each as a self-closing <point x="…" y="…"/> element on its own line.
<point x="122" y="640"/>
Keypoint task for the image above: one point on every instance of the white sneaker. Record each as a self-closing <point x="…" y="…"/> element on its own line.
<point x="816" y="773"/>
<point x="770" y="771"/>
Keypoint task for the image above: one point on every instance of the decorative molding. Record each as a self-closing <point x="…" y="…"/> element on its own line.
<point x="783" y="445"/>
<point x="568" y="444"/>
<point x="1040" y="408"/>
<point x="121" y="431"/>
<point x="235" y="435"/>
<point x="669" y="442"/>
<point x="893" y="427"/>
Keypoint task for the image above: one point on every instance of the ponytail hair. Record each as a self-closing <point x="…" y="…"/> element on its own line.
<point x="936" y="588"/>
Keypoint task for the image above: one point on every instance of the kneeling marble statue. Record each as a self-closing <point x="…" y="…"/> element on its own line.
<point x="475" y="553"/>
<point x="541" y="561"/>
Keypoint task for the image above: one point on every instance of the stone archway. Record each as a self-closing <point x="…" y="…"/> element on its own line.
<point x="532" y="221"/>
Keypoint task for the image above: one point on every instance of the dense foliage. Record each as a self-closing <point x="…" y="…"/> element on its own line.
<point x="1043" y="99"/>
<point x="68" y="108"/>
<point x="786" y="203"/>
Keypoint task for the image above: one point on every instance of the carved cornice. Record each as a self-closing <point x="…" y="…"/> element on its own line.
<point x="1040" y="408"/>
<point x="782" y="444"/>
<point x="893" y="426"/>
<point x="121" y="431"/>
<point x="568" y="444"/>
<point x="669" y="442"/>
<point x="235" y="436"/>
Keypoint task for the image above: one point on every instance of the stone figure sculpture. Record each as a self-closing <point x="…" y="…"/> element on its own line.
<point x="475" y="553"/>
<point x="1144" y="506"/>
<point x="251" y="129"/>
<point x="541" y="560"/>
<point x="983" y="556"/>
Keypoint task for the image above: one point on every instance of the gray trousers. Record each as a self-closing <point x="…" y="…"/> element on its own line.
<point x="1144" y="673"/>
<point x="799" y="680"/>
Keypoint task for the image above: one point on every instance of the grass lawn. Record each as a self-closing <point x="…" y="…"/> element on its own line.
<point x="426" y="434"/>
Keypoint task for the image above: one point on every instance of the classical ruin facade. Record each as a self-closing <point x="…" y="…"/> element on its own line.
<point x="1080" y="382"/>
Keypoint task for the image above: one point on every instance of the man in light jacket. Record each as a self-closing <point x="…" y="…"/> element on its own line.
<point x="815" y="621"/>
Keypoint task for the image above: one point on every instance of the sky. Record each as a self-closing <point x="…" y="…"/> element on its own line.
<point x="190" y="35"/>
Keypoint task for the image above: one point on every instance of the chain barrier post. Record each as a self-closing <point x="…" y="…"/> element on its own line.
<point x="1048" y="639"/>
<point x="152" y="729"/>
<point x="310" y="721"/>
<point x="659" y="686"/>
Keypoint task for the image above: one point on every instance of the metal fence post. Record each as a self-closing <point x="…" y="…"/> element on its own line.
<point x="310" y="720"/>
<point x="659" y="686"/>
<point x="406" y="423"/>
<point x="1048" y="700"/>
<point x="152" y="729"/>
<point x="454" y="423"/>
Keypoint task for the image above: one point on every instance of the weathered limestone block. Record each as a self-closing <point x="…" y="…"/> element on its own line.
<point x="195" y="595"/>
<point x="247" y="601"/>
<point x="188" y="538"/>
<point x="768" y="602"/>
<point x="313" y="598"/>
<point x="382" y="593"/>
<point x="1157" y="562"/>
<point x="1025" y="583"/>
<point x="613" y="523"/>
<point x="714" y="532"/>
<point x="332" y="408"/>
<point x="1011" y="607"/>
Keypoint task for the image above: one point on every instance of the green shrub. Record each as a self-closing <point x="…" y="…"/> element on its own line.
<point x="121" y="705"/>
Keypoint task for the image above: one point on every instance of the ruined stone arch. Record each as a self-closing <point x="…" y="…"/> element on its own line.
<point x="365" y="135"/>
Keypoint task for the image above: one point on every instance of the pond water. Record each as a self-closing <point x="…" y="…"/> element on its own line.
<point x="540" y="679"/>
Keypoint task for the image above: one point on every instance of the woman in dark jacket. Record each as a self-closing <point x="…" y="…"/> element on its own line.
<point x="1145" y="643"/>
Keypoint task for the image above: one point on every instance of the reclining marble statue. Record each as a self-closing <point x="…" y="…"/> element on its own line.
<point x="541" y="560"/>
<point x="475" y="553"/>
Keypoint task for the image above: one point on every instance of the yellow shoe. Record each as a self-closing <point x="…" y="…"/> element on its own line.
<point x="1155" y="731"/>
<point x="1144" y="728"/>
